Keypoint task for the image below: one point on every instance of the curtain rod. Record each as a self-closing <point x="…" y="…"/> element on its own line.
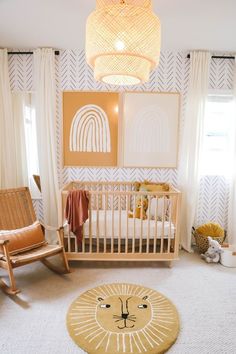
<point x="57" y="52"/>
<point x="24" y="53"/>
<point x="218" y="57"/>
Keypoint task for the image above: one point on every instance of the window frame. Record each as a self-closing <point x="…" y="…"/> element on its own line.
<point x="213" y="171"/>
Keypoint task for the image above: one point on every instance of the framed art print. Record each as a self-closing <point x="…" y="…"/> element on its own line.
<point x="90" y="128"/>
<point x="150" y="129"/>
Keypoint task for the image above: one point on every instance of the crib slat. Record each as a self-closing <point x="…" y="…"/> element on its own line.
<point x="90" y="222"/>
<point x="83" y="242"/>
<point x="170" y="218"/>
<point x="177" y="225"/>
<point x="129" y="206"/>
<point x="149" y="217"/>
<point x="127" y="222"/>
<point x="98" y="226"/>
<point x="134" y="219"/>
<point x="83" y="237"/>
<point x="163" y="223"/>
<point x="105" y="220"/>
<point x="119" y="217"/>
<point x="112" y="225"/>
<point x="76" y="243"/>
<point x="156" y="230"/>
<point x="141" y="226"/>
<point x="119" y="239"/>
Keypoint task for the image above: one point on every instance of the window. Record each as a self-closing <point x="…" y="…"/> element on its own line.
<point x="31" y="143"/>
<point x="219" y="135"/>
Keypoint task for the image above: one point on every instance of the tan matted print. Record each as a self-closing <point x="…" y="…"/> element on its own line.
<point x="123" y="318"/>
<point x="90" y="128"/>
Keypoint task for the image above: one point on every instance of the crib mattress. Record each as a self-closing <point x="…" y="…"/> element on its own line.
<point x="136" y="227"/>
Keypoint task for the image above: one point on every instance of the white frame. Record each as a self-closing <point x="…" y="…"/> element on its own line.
<point x="146" y="110"/>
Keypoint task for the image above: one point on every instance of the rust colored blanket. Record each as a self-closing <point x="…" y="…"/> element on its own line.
<point x="76" y="211"/>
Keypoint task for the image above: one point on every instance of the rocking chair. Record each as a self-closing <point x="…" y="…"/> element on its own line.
<point x="17" y="212"/>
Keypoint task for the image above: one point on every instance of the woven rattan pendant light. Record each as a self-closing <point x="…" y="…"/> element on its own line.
<point x="123" y="41"/>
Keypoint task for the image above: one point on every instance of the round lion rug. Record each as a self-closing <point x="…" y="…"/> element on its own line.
<point x="123" y="318"/>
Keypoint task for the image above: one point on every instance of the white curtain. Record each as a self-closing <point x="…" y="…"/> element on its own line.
<point x="18" y="102"/>
<point x="232" y="202"/>
<point x="13" y="165"/>
<point x="192" y="142"/>
<point x="44" y="70"/>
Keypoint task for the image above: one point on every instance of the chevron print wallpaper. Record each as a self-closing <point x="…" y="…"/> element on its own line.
<point x="172" y="75"/>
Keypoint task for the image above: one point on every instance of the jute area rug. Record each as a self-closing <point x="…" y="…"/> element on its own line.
<point x="123" y="318"/>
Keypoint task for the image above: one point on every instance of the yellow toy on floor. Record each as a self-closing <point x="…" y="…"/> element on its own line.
<point x="211" y="229"/>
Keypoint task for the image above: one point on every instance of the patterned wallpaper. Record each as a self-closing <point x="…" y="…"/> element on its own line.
<point x="172" y="75"/>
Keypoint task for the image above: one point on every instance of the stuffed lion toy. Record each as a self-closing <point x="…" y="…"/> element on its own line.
<point x="140" y="209"/>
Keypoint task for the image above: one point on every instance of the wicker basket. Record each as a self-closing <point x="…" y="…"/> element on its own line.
<point x="202" y="240"/>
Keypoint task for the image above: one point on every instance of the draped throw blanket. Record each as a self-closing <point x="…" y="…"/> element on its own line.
<point x="76" y="211"/>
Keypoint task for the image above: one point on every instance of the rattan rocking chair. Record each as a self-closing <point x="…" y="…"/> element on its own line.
<point x="16" y="211"/>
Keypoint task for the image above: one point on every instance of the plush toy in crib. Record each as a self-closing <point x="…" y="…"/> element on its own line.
<point x="212" y="255"/>
<point x="140" y="209"/>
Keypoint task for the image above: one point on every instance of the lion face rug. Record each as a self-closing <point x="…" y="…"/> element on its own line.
<point x="123" y="318"/>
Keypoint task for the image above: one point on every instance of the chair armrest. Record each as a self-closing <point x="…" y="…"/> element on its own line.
<point x="50" y="228"/>
<point x="58" y="231"/>
<point x="3" y="242"/>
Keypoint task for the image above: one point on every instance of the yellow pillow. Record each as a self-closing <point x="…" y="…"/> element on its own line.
<point x="210" y="229"/>
<point x="154" y="187"/>
<point x="24" y="239"/>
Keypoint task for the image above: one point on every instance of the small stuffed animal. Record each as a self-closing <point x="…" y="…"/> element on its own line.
<point x="212" y="255"/>
<point x="140" y="210"/>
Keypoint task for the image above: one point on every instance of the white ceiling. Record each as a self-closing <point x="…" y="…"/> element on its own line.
<point x="186" y="24"/>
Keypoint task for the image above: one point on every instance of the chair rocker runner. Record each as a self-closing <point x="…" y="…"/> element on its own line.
<point x="17" y="214"/>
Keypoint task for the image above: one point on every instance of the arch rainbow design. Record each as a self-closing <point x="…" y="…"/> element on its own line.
<point x="150" y="130"/>
<point x="90" y="131"/>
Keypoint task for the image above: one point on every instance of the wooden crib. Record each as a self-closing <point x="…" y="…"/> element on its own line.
<point x="112" y="233"/>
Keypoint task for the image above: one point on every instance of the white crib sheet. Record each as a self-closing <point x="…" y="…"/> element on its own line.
<point x="167" y="228"/>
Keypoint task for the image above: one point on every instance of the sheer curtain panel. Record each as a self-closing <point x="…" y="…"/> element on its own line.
<point x="13" y="165"/>
<point x="18" y="102"/>
<point x="192" y="142"/>
<point x="45" y="94"/>
<point x="232" y="202"/>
